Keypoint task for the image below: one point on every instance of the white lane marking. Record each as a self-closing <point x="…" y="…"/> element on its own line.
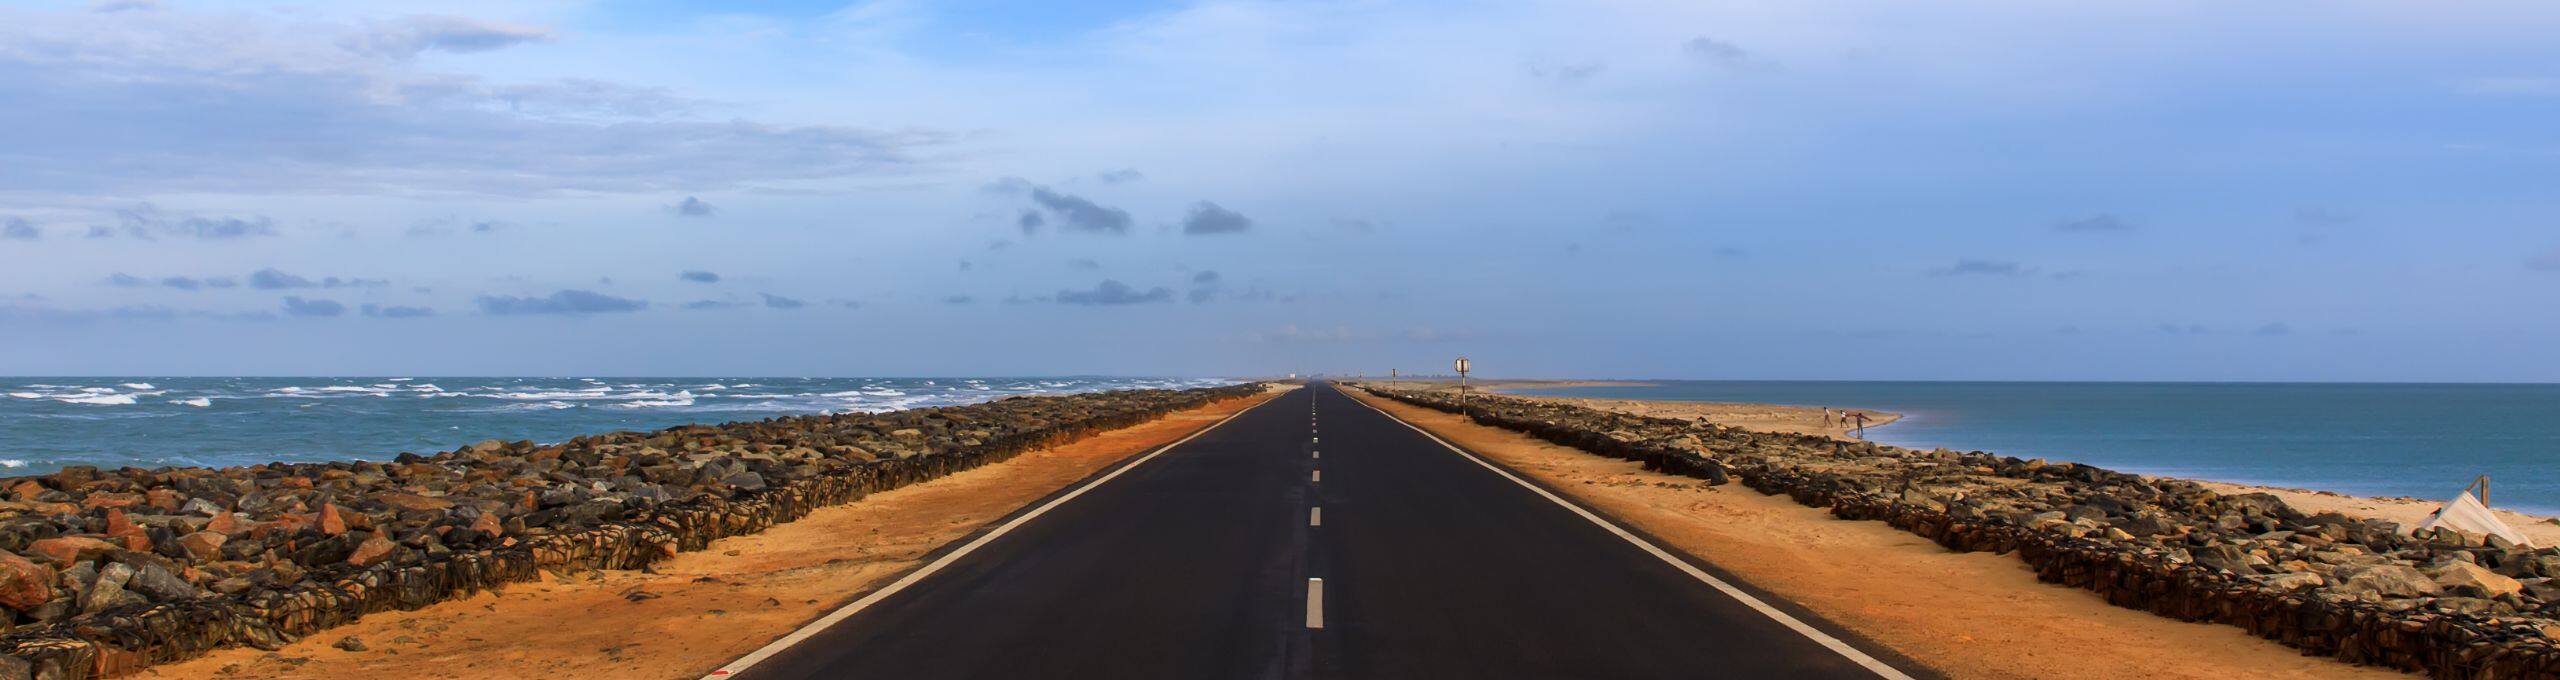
<point x="847" y="611"/>
<point x="1319" y="455"/>
<point x="1317" y="476"/>
<point x="1792" y="623"/>
<point x="1315" y="603"/>
<point x="1315" y="517"/>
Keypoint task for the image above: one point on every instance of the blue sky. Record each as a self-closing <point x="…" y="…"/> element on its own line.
<point x="1816" y="190"/>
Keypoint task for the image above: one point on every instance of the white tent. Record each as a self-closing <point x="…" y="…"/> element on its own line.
<point x="2466" y="514"/>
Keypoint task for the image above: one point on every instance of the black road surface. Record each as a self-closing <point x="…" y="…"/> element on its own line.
<point x="1196" y="564"/>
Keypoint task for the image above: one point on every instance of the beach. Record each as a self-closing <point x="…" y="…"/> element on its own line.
<point x="2408" y="512"/>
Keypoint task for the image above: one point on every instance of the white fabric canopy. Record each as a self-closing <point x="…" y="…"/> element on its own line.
<point x="2467" y="515"/>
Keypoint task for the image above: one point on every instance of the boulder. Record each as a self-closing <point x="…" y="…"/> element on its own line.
<point x="2470" y="579"/>
<point x="108" y="592"/>
<point x="2292" y="580"/>
<point x="203" y="545"/>
<point x="412" y="502"/>
<point x="24" y="585"/>
<point x="159" y="583"/>
<point x="65" y="551"/>
<point x="372" y="551"/>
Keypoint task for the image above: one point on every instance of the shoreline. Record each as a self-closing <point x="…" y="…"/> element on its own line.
<point x="2408" y="512"/>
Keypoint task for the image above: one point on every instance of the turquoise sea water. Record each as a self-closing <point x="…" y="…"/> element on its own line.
<point x="2424" y="440"/>
<point x="46" y="423"/>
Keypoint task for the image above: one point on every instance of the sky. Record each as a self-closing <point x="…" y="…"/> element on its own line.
<point x="1968" y="190"/>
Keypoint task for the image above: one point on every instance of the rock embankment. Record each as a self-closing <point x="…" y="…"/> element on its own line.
<point x="2443" y="603"/>
<point x="106" y="571"/>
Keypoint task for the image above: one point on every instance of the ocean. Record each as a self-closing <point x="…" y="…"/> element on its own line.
<point x="47" y="423"/>
<point x="2421" y="440"/>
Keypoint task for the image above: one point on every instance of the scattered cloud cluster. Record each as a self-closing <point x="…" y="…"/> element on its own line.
<point x="270" y="279"/>
<point x="565" y="302"/>
<point x="296" y="305"/>
<point x="1075" y="213"/>
<point x="1210" y="218"/>
<point x="1112" y="293"/>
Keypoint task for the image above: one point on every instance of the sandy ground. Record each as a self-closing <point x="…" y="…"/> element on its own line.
<point x="1761" y="417"/>
<point x="1968" y="615"/>
<point x="701" y="609"/>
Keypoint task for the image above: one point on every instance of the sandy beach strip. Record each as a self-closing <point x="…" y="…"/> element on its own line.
<point x="1967" y="615"/>
<point x="692" y="613"/>
<point x="2407" y="512"/>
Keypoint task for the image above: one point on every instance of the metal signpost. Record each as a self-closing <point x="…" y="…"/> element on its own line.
<point x="1462" y="385"/>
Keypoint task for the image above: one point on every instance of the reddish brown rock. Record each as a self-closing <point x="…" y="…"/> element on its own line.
<point x="332" y="522"/>
<point x="488" y="524"/>
<point x="120" y="525"/>
<point x="70" y="550"/>
<point x="227" y="524"/>
<point x="23" y="583"/>
<point x="412" y="502"/>
<point x="203" y="545"/>
<point x="26" y="490"/>
<point x="111" y="500"/>
<point x="166" y="500"/>
<point x="371" y="552"/>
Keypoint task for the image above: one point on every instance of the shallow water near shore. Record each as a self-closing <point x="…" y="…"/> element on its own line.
<point x="2421" y="440"/>
<point x="47" y="423"/>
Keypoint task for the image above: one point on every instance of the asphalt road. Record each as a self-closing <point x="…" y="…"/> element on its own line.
<point x="1197" y="563"/>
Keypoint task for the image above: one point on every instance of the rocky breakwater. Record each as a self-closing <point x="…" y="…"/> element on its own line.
<point x="2447" y="604"/>
<point x="106" y="571"/>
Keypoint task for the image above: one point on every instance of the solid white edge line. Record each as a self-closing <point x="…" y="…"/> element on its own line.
<point x="1791" y="622"/>
<point x="841" y="613"/>
<point x="1315" y="603"/>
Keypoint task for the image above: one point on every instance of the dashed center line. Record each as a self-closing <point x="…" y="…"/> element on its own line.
<point x="1315" y="603"/>
<point x="1317" y="476"/>
<point x="1315" y="517"/>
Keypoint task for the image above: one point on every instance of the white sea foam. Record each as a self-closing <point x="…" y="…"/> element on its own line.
<point x="27" y="395"/>
<point x="100" y="400"/>
<point x="12" y="462"/>
<point x="198" y="402"/>
<point x="656" y="403"/>
<point x="138" y="386"/>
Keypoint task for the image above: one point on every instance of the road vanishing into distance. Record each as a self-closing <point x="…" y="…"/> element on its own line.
<point x="1311" y="536"/>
